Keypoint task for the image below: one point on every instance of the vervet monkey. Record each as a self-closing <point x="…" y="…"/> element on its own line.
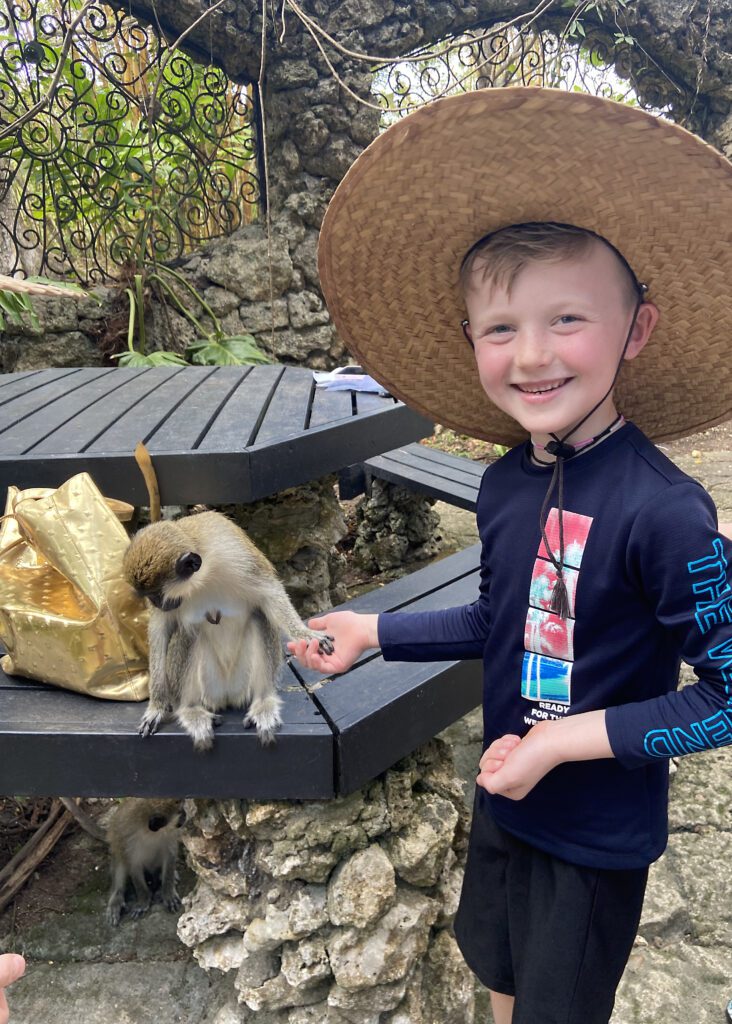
<point x="143" y="838"/>
<point x="217" y="613"/>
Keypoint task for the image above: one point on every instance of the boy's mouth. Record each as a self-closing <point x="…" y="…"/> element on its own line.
<point x="541" y="387"/>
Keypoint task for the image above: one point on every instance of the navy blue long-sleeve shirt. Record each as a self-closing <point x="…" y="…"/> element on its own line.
<point x="648" y="581"/>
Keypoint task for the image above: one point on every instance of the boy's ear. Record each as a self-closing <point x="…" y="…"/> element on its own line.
<point x="642" y="329"/>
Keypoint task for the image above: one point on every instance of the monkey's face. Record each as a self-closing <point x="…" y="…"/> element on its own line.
<point x="166" y="814"/>
<point x="158" y="564"/>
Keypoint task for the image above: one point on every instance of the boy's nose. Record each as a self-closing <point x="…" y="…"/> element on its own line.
<point x="531" y="349"/>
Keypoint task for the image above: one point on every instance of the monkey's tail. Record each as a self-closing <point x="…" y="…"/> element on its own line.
<point x="85" y="820"/>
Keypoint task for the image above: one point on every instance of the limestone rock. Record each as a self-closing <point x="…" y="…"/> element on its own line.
<point x="224" y="863"/>
<point x="305" y="913"/>
<point x="37" y="352"/>
<point x="386" y="952"/>
<point x="447" y="984"/>
<point x="240" y="264"/>
<point x="255" y="969"/>
<point x="221" y="301"/>
<point x="358" y="1004"/>
<point x="361" y="888"/>
<point x="210" y="913"/>
<point x="310" y="345"/>
<point x="306" y="309"/>
<point x="256" y="317"/>
<point x="449" y="886"/>
<point x="307" y="840"/>
<point x="222" y="952"/>
<point x="419" y="850"/>
<point x="277" y="994"/>
<point x="665" y="916"/>
<point x="305" y="964"/>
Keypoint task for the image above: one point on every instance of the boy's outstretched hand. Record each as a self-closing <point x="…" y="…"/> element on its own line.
<point x="352" y="635"/>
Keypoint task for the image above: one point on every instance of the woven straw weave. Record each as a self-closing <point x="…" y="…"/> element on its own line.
<point x="424" y="191"/>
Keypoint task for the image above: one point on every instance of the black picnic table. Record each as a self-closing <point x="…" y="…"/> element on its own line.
<point x="216" y="434"/>
<point x="227" y="434"/>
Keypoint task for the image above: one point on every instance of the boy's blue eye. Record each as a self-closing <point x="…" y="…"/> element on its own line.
<point x="568" y="318"/>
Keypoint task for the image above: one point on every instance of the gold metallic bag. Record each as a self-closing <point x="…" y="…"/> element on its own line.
<point x="67" y="616"/>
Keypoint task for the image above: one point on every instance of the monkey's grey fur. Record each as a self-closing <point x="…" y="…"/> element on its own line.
<point x="218" y="611"/>
<point x="143" y="836"/>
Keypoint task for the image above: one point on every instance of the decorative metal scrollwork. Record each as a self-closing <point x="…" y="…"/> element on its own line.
<point x="139" y="153"/>
<point x="494" y="57"/>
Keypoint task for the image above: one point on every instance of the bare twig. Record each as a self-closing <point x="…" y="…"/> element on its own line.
<point x="19" y="869"/>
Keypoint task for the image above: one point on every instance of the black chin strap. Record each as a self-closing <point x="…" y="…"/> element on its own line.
<point x="562" y="451"/>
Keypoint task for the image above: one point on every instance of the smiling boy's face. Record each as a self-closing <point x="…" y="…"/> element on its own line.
<point x="547" y="348"/>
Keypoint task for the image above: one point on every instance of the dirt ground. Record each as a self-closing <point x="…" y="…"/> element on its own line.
<point x="77" y="862"/>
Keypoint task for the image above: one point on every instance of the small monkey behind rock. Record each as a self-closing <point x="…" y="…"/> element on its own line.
<point x="143" y="837"/>
<point x="216" y="623"/>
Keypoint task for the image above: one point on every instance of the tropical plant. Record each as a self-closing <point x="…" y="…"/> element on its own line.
<point x="212" y="347"/>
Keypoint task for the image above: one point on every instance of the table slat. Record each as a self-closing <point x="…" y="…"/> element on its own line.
<point x="287" y="412"/>
<point x="238" y="418"/>
<point x="16" y="388"/>
<point x="329" y="406"/>
<point x="34" y="428"/>
<point x="79" y="433"/>
<point x="186" y="425"/>
<point x="25" y="405"/>
<point x="137" y="423"/>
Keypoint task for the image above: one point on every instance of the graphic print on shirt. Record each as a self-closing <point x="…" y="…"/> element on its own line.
<point x="713" y="607"/>
<point x="546" y="674"/>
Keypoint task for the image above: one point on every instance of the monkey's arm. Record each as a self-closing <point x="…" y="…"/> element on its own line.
<point x="169" y="893"/>
<point x="277" y="607"/>
<point x="169" y="649"/>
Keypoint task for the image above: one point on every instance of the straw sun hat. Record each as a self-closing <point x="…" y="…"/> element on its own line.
<point x="423" y="192"/>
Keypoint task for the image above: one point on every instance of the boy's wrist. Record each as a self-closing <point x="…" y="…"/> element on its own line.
<point x="372" y="631"/>
<point x="580" y="737"/>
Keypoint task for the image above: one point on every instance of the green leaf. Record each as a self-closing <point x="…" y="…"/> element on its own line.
<point x="154" y="359"/>
<point x="236" y="350"/>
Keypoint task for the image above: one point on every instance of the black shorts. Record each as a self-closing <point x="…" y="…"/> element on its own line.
<point x="555" y="935"/>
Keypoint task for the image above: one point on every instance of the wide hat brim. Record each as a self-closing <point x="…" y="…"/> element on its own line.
<point x="413" y="203"/>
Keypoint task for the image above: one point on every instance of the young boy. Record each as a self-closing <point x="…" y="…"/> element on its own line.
<point x="601" y="561"/>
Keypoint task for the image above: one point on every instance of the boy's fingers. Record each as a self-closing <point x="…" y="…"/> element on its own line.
<point x="12" y="967"/>
<point x="318" y="623"/>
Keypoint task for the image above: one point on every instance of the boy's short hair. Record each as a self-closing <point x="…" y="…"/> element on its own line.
<point x="501" y="255"/>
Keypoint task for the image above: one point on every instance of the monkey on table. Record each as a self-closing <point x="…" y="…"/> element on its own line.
<point x="216" y="623"/>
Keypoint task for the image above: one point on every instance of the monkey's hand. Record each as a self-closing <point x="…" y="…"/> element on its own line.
<point x="153" y="718"/>
<point x="349" y="634"/>
<point x="325" y="640"/>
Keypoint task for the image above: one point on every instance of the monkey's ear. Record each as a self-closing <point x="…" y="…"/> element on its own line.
<point x="187" y="564"/>
<point x="156" y="822"/>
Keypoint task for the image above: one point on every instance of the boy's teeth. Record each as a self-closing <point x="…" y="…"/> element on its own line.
<point x="538" y="391"/>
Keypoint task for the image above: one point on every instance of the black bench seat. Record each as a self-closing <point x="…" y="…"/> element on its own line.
<point x="337" y="732"/>
<point x="450" y="478"/>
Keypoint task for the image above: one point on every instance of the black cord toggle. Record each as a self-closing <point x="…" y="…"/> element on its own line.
<point x="560" y="449"/>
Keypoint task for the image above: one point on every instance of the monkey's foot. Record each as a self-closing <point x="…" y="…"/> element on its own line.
<point x="198" y="722"/>
<point x="264" y="715"/>
<point x="139" y="909"/>
<point x="114" y="911"/>
<point x="152" y="720"/>
<point x="172" y="903"/>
